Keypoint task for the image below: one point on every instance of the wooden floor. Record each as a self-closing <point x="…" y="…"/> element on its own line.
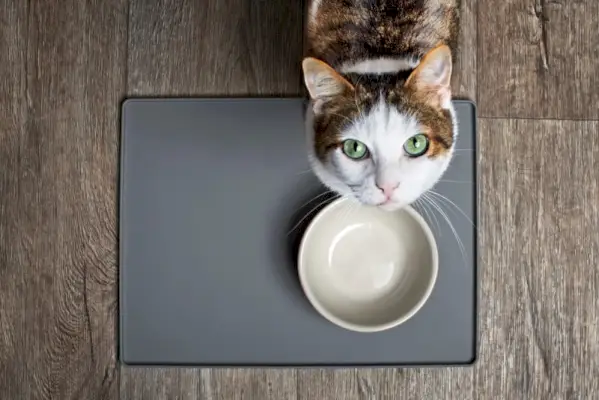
<point x="531" y="65"/>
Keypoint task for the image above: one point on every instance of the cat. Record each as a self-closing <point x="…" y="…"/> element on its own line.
<point x="381" y="127"/>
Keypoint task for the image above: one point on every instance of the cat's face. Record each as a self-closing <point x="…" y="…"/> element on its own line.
<point x="381" y="140"/>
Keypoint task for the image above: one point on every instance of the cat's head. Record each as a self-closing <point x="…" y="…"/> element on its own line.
<point x="382" y="140"/>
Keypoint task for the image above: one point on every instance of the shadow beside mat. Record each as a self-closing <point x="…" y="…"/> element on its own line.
<point x="295" y="214"/>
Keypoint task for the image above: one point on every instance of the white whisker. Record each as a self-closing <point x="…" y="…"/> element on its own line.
<point x="431" y="204"/>
<point x="304" y="172"/>
<point x="314" y="198"/>
<point x="455" y="154"/>
<point x="419" y="205"/>
<point x="310" y="212"/>
<point x="440" y="196"/>
<point x="455" y="234"/>
<point x="433" y="217"/>
<point x="451" y="181"/>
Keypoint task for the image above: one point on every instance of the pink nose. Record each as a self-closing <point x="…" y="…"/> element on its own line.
<point x="387" y="188"/>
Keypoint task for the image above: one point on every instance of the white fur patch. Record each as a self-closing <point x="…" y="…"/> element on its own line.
<point x="384" y="130"/>
<point x="381" y="65"/>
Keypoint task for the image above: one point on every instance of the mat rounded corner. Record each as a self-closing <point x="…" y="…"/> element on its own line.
<point x="127" y="103"/>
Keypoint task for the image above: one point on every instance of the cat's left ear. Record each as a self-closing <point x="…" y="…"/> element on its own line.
<point x="322" y="81"/>
<point x="431" y="79"/>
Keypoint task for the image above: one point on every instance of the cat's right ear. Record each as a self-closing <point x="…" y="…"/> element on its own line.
<point x="322" y="81"/>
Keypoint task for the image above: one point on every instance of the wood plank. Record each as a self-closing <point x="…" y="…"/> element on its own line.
<point x="538" y="59"/>
<point x="193" y="384"/>
<point x="242" y="384"/>
<point x="464" y="77"/>
<point x="328" y="384"/>
<point x="13" y="254"/>
<point x="160" y="384"/>
<point x="416" y="383"/>
<point x="539" y="251"/>
<point x="386" y="383"/>
<point x="225" y="47"/>
<point x="59" y="168"/>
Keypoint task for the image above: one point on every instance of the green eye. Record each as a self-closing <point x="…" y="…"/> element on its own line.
<point x="416" y="146"/>
<point x="354" y="149"/>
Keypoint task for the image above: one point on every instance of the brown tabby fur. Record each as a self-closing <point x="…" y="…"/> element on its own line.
<point x="355" y="30"/>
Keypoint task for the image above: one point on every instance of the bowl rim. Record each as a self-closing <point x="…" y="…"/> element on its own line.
<point x="323" y="311"/>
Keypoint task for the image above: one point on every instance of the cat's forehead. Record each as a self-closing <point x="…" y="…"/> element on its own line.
<point x="384" y="128"/>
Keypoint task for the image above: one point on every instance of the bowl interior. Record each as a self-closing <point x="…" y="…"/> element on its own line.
<point x="367" y="269"/>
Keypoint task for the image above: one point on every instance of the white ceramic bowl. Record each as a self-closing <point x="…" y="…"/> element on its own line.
<point x="366" y="269"/>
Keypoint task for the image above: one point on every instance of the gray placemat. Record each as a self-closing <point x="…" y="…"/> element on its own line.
<point x="210" y="189"/>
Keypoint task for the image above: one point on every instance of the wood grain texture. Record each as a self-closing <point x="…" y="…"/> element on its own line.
<point x="538" y="58"/>
<point x="387" y="384"/>
<point x="539" y="308"/>
<point x="327" y="384"/>
<point x="160" y="384"/>
<point x="263" y="384"/>
<point x="224" y="47"/>
<point x="61" y="87"/>
<point x="463" y="82"/>
<point x="14" y="378"/>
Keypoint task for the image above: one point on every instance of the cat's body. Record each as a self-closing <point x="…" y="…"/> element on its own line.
<point x="381" y="127"/>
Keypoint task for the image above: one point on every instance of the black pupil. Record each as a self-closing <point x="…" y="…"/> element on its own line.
<point x="415" y="143"/>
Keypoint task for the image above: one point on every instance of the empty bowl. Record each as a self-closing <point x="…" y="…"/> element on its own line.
<point x="366" y="269"/>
